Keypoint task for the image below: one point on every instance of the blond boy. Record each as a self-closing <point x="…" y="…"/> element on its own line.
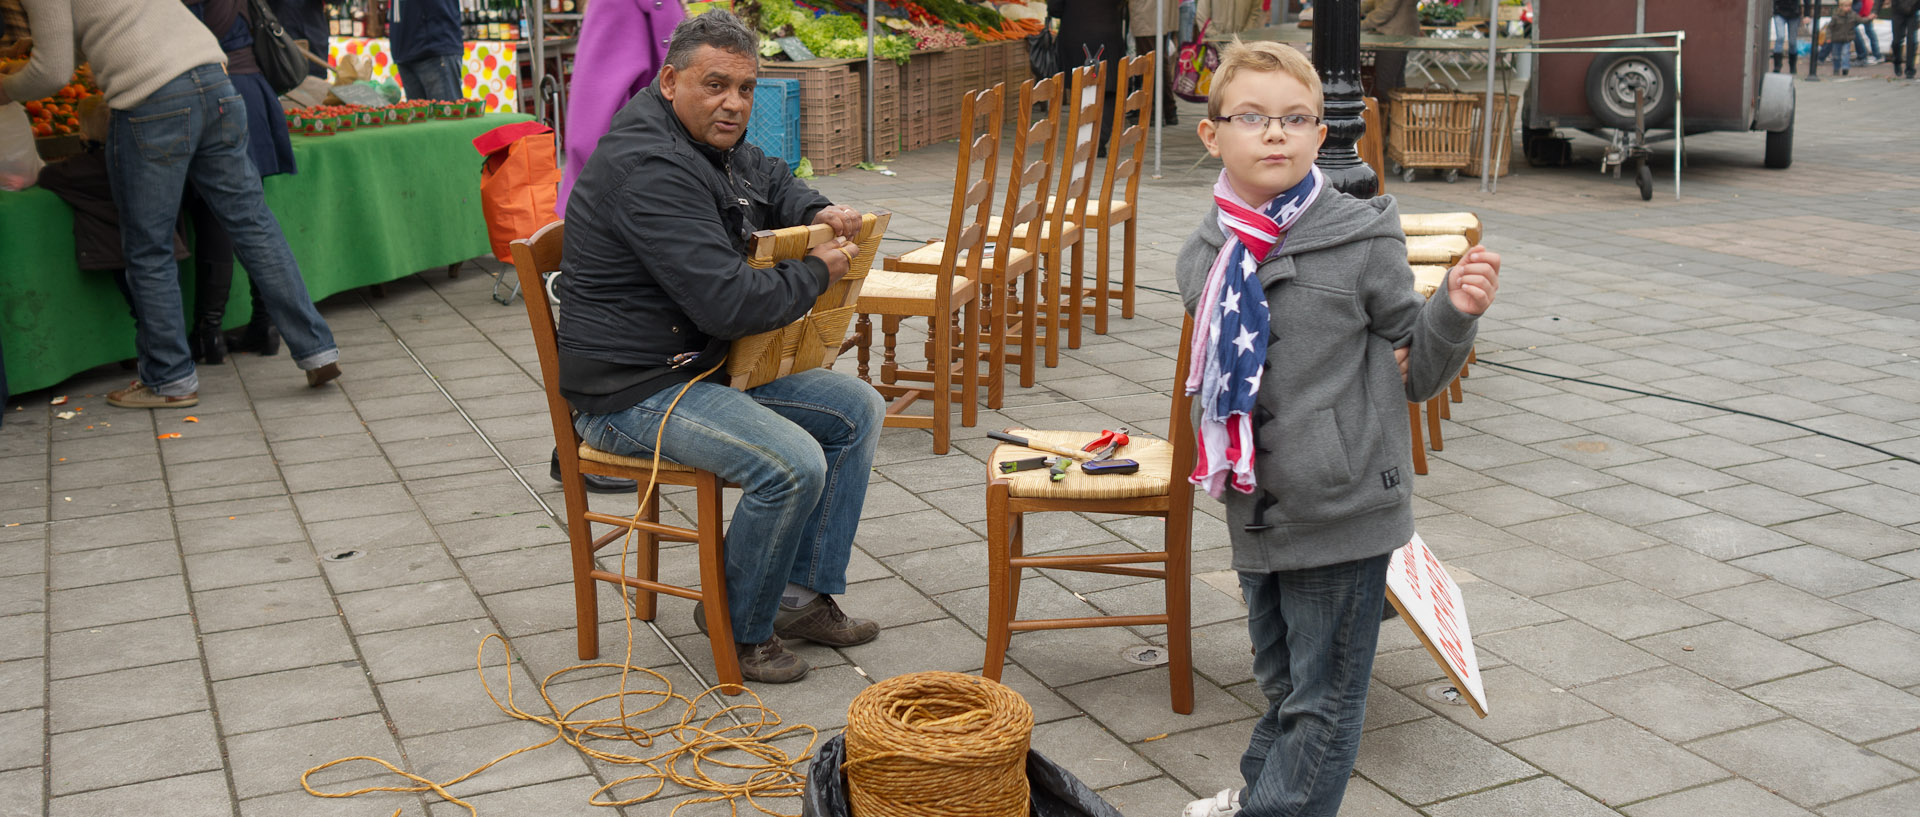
<point x="1309" y="341"/>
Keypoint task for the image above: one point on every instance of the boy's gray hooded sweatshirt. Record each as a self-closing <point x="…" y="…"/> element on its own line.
<point x="1334" y="460"/>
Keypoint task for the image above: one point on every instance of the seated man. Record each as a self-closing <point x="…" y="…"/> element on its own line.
<point x="654" y="286"/>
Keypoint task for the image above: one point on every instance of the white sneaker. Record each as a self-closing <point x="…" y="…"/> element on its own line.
<point x="1224" y="804"/>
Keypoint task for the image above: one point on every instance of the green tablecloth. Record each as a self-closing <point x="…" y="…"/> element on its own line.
<point x="366" y="207"/>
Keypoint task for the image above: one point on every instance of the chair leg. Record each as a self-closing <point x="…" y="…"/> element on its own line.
<point x="970" y="375"/>
<point x="863" y="349"/>
<point x="940" y="366"/>
<point x="1029" y="326"/>
<point x="713" y="583"/>
<point x="1126" y="272"/>
<point x="997" y="318"/>
<point x="1016" y="547"/>
<point x="586" y="596"/>
<point x="890" y="338"/>
<point x="1419" y="447"/>
<point x="1435" y="407"/>
<point x="1180" y="611"/>
<point x="1079" y="288"/>
<point x="646" y="603"/>
<point x="1001" y="607"/>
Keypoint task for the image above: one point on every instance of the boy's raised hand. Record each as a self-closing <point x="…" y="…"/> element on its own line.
<point x="1472" y="283"/>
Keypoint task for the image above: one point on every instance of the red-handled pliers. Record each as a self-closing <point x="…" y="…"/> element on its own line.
<point x="1110" y="439"/>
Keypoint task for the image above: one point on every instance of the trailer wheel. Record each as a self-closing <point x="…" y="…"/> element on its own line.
<point x="1613" y="78"/>
<point x="1643" y="177"/>
<point x="1780" y="147"/>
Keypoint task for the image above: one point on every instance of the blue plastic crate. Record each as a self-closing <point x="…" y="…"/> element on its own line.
<point x="775" y="126"/>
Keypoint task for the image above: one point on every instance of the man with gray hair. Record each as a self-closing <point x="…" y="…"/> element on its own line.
<point x="655" y="285"/>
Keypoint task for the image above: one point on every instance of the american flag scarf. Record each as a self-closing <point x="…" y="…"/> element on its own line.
<point x="1229" y="348"/>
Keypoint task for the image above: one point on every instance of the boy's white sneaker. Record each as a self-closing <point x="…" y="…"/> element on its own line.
<point x="1224" y="804"/>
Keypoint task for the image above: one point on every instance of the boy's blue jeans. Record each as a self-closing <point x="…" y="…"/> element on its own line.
<point x="800" y="448"/>
<point x="1314" y="633"/>
<point x="194" y="129"/>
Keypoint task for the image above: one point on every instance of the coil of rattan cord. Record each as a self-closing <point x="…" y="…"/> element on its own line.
<point x="938" y="744"/>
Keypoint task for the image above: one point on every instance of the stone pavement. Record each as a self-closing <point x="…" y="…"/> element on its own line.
<point x="1682" y="609"/>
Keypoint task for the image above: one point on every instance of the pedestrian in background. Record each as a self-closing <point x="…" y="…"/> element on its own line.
<point x="1906" y="21"/>
<point x="1866" y="42"/>
<point x="1786" y="34"/>
<point x="1143" y="27"/>
<point x="425" y="36"/>
<point x="1840" y="37"/>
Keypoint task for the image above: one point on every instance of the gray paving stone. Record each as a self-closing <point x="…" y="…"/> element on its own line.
<point x="1676" y="704"/>
<point x="272" y="761"/>
<point x="221" y="473"/>
<point x="1504" y="505"/>
<point x="1711" y="451"/>
<point x="344" y="503"/>
<point x="1799" y="762"/>
<point x="1818" y="571"/>
<point x="1720" y="536"/>
<point x="116" y="603"/>
<point x="276" y="647"/>
<point x="115" y="564"/>
<point x="1100" y="760"/>
<point x="1674" y="571"/>
<point x="560" y="798"/>
<point x="371" y="533"/>
<point x="1541" y="795"/>
<point x="497" y="533"/>
<point x="23" y="739"/>
<point x="1795" y="477"/>
<point x="1730" y="654"/>
<point x="21" y="792"/>
<point x="133" y="753"/>
<point x="1484" y="451"/>
<point x="1632" y="505"/>
<point x="1674" y="477"/>
<point x="449" y="754"/>
<point x="230" y="568"/>
<point x="344" y="473"/>
<point x="1596" y="452"/>
<point x="1522" y="705"/>
<point x="110" y="698"/>
<point x="94" y="473"/>
<point x="1759" y="504"/>
<point x="1554" y="477"/>
<point x="25" y="682"/>
<point x="1884" y="803"/>
<point x="908" y="532"/>
<point x="1615" y="762"/>
<point x="1626" y="610"/>
<point x="394" y="608"/>
<point x="1876" y="502"/>
<point x="1730" y="798"/>
<point x="1534" y="571"/>
<point x="1585" y="536"/>
<point x="1775" y="609"/>
<point x="1896" y="603"/>
<point x="455" y="700"/>
<point x="1569" y="653"/>
<point x="1395" y="760"/>
<point x="383" y="566"/>
<point x="1844" y="702"/>
<point x="108" y="531"/>
<point x="271" y="700"/>
<point x="194" y="795"/>
<point x="1456" y="536"/>
<point x="268" y="603"/>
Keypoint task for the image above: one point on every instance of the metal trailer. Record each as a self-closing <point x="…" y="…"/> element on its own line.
<point x="1628" y="97"/>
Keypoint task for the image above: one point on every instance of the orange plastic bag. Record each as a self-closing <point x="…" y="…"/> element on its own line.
<point x="520" y="183"/>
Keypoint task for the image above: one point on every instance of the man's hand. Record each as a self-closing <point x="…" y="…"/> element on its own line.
<point x="844" y="220"/>
<point x="1471" y="284"/>
<point x="20" y="48"/>
<point x="838" y="254"/>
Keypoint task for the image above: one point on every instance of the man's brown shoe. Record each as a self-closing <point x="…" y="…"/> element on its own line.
<point x="323" y="375"/>
<point x="769" y="662"/>
<point x="138" y="395"/>
<point x="821" y="622"/>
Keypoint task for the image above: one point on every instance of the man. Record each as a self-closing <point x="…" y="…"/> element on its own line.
<point x="175" y="119"/>
<point x="653" y="287"/>
<point x="425" y="36"/>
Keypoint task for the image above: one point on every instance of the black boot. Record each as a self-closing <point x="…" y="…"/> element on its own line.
<point x="260" y="336"/>
<point x="213" y="282"/>
<point x="595" y="483"/>
<point x="1776" y="63"/>
<point x="208" y="344"/>
<point x="1793" y="63"/>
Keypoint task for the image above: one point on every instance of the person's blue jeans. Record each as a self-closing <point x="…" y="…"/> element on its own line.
<point x="433" y="78"/>
<point x="1863" y="36"/>
<point x="800" y="448"/>
<point x="1785" y="32"/>
<point x="1314" y="632"/>
<point x="194" y="129"/>
<point x="1842" y="56"/>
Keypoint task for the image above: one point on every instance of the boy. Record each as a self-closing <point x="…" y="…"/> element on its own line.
<point x="1309" y="340"/>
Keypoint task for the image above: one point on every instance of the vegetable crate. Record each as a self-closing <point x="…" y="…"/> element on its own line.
<point x="917" y="119"/>
<point x="829" y="112"/>
<point x="1429" y="129"/>
<point x="775" y="126"/>
<point x="886" y="81"/>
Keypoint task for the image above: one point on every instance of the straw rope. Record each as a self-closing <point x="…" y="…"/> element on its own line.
<point x="938" y="744"/>
<point x="729" y="762"/>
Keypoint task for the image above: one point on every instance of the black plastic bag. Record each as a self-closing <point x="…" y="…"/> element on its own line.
<point x="1055" y="791"/>
<point x="1043" y="58"/>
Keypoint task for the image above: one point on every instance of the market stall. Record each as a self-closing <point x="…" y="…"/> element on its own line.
<point x="366" y="207"/>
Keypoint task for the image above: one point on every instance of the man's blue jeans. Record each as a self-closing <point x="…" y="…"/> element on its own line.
<point x="1314" y="632"/>
<point x="195" y="129"/>
<point x="1785" y="32"/>
<point x="433" y="78"/>
<point x="800" y="448"/>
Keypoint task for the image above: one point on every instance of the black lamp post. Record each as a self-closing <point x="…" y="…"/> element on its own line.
<point x="1336" y="53"/>
<point x="1813" y="33"/>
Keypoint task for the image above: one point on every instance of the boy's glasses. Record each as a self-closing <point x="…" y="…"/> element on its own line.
<point x="1257" y="122"/>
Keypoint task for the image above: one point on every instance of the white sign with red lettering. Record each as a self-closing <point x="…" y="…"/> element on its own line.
<point x="1431" y="604"/>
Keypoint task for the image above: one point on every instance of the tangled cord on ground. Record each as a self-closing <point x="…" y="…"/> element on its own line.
<point x="705" y="745"/>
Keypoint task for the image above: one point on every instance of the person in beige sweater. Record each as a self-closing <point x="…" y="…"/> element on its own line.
<point x="176" y="118"/>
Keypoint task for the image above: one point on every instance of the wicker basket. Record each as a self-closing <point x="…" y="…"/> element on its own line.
<point x="813" y="341"/>
<point x="1430" y="128"/>
<point x="1502" y="132"/>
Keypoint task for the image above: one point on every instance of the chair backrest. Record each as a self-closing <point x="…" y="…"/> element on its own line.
<point x="533" y="259"/>
<point x="1180" y="425"/>
<point x="1369" y="146"/>
<point x="1127" y="152"/>
<point x="1084" y="102"/>
<point x="977" y="169"/>
<point x="1032" y="170"/>
<point x="814" y="340"/>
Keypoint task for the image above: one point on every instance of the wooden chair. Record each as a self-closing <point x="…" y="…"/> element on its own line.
<point x="946" y="292"/>
<point x="1370" y="145"/>
<point x="1119" y="197"/>
<point x="1435" y="242"/>
<point x="1059" y="233"/>
<point x="533" y="259"/>
<point x="1159" y="489"/>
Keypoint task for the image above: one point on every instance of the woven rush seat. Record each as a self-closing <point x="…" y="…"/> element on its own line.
<point x="929" y="256"/>
<point x="591" y="454"/>
<point x="1427" y="278"/>
<point x="1046" y="228"/>
<point x="1435" y="249"/>
<point x="889" y="284"/>
<point x="1155" y="458"/>
<point x="1097" y="209"/>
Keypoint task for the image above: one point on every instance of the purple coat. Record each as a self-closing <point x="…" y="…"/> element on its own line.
<point x="623" y="43"/>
